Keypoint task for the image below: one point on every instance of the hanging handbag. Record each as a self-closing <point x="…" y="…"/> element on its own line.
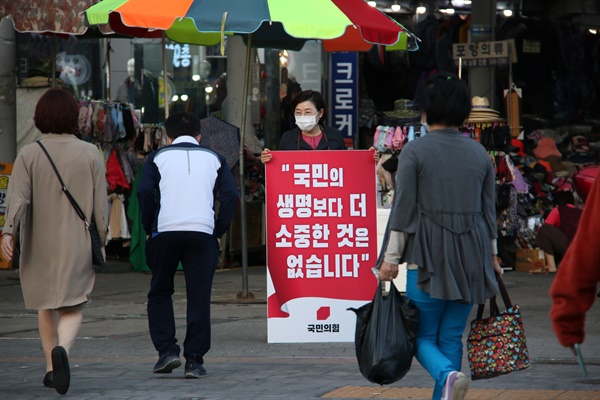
<point x="97" y="257"/>
<point x="497" y="344"/>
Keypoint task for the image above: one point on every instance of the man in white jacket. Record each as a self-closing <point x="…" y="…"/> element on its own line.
<point x="177" y="192"/>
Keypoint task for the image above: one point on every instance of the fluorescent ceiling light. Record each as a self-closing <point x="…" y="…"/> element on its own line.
<point x="395" y="7"/>
<point x="372" y="3"/>
<point x="421" y="10"/>
<point x="507" y="13"/>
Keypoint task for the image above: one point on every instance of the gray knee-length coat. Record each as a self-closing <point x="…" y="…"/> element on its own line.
<point x="444" y="200"/>
<point x="56" y="259"/>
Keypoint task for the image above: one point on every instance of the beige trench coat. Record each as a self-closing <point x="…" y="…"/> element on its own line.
<point x="56" y="257"/>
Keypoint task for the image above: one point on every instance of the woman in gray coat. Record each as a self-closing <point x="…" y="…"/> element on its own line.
<point x="443" y="224"/>
<point x="56" y="270"/>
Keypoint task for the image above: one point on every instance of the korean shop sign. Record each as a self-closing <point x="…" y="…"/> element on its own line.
<point x="343" y="101"/>
<point x="321" y="235"/>
<point x="484" y="54"/>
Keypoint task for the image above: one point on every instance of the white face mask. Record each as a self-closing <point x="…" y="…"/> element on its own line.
<point x="306" y="123"/>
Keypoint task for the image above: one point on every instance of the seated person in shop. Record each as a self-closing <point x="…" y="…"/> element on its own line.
<point x="557" y="231"/>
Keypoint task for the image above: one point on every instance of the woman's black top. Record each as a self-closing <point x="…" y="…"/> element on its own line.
<point x="331" y="140"/>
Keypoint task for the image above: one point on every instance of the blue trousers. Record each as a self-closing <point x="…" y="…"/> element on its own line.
<point x="439" y="346"/>
<point x="198" y="253"/>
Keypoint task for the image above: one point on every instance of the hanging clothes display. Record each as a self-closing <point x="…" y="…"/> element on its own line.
<point x="492" y="135"/>
<point x="113" y="127"/>
<point x="389" y="138"/>
<point x="150" y="137"/>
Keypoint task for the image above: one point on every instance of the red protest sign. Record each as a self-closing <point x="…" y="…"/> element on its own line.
<point x="321" y="227"/>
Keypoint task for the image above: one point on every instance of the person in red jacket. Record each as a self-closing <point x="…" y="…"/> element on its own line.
<point x="558" y="231"/>
<point x="576" y="283"/>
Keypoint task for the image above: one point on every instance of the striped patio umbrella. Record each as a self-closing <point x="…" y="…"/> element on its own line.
<point x="342" y="25"/>
<point x="51" y="17"/>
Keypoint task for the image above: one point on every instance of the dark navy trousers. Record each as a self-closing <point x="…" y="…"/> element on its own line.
<point x="198" y="253"/>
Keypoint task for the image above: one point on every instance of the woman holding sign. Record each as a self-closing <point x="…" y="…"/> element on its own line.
<point x="443" y="224"/>
<point x="309" y="109"/>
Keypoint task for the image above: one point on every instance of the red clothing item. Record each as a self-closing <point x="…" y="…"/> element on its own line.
<point x="546" y="147"/>
<point x="313" y="141"/>
<point x="553" y="217"/>
<point x="114" y="174"/>
<point x="576" y="283"/>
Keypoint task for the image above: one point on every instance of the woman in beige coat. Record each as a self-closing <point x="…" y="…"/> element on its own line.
<point x="56" y="270"/>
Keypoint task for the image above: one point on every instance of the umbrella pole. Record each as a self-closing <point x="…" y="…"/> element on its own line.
<point x="244" y="293"/>
<point x="165" y="79"/>
<point x="107" y="64"/>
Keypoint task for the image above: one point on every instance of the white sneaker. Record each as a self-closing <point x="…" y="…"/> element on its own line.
<point x="456" y="387"/>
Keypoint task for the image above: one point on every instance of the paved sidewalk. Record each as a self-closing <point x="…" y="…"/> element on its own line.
<point x="113" y="358"/>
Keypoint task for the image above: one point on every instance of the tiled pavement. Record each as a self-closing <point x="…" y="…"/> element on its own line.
<point x="114" y="356"/>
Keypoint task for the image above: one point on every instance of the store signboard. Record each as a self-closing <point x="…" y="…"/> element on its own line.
<point x="5" y="171"/>
<point x="181" y="54"/>
<point x="305" y="66"/>
<point x="343" y="101"/>
<point x="321" y="231"/>
<point x="484" y="54"/>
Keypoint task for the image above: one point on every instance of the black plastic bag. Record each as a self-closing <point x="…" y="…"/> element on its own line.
<point x="386" y="329"/>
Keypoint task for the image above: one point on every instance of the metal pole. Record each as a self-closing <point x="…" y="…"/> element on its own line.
<point x="107" y="63"/>
<point x="244" y="292"/>
<point x="8" y="99"/>
<point x="165" y="77"/>
<point x="53" y="60"/>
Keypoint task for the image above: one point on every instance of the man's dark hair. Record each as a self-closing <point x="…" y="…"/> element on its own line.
<point x="444" y="98"/>
<point x="182" y="124"/>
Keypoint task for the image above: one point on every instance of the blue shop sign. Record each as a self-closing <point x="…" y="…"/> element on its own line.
<point x="344" y="95"/>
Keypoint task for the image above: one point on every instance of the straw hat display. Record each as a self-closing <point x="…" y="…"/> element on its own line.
<point x="482" y="112"/>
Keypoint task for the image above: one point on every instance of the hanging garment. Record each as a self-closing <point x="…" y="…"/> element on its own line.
<point x="137" y="249"/>
<point x="114" y="174"/>
<point x="114" y="222"/>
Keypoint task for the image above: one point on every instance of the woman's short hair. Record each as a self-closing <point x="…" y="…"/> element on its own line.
<point x="57" y="112"/>
<point x="182" y="124"/>
<point x="314" y="97"/>
<point x="444" y="98"/>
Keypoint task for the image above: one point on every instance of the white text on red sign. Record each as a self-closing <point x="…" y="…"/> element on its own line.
<point x="316" y="175"/>
<point x="343" y="266"/>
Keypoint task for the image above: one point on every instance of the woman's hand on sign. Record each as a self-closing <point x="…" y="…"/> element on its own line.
<point x="375" y="153"/>
<point x="266" y="156"/>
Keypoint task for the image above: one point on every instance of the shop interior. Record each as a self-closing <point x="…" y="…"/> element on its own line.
<point x="540" y="124"/>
